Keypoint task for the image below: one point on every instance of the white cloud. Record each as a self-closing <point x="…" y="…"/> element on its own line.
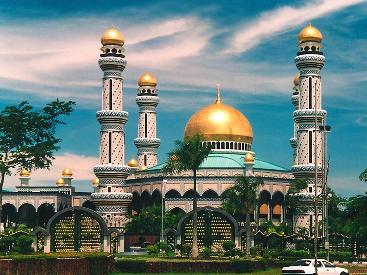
<point x="272" y="23"/>
<point x="81" y="166"/>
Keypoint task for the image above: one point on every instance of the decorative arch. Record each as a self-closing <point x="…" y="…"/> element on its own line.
<point x="157" y="197"/>
<point x="27" y="215"/>
<point x="264" y="205"/>
<point x="218" y="226"/>
<point x="173" y="194"/>
<point x="76" y="229"/>
<point x="189" y="194"/>
<point x="44" y="212"/>
<point x="210" y="194"/>
<point x="136" y="203"/>
<point x="8" y="214"/>
<point x="146" y="199"/>
<point x="277" y="206"/>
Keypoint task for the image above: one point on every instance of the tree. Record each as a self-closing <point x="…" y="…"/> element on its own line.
<point x="149" y="221"/>
<point x="189" y="155"/>
<point x="27" y="137"/>
<point x="363" y="176"/>
<point x="240" y="200"/>
<point x="292" y="198"/>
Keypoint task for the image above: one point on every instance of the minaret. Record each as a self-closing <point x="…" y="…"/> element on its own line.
<point x="147" y="141"/>
<point x="308" y="117"/>
<point x="295" y="102"/>
<point x="110" y="200"/>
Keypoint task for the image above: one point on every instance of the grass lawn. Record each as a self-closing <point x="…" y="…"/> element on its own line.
<point x="266" y="272"/>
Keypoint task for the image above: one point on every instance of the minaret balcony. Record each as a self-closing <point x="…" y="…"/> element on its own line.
<point x="309" y="113"/>
<point x="307" y="168"/>
<point x="112" y="116"/>
<point x="147" y="142"/>
<point x="112" y="63"/>
<point x="115" y="197"/>
<point x="146" y="100"/>
<point x="110" y="170"/>
<point x="310" y="61"/>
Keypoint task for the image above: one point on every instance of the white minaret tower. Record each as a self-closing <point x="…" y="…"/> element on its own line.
<point x="295" y="102"/>
<point x="308" y="117"/>
<point x="147" y="141"/>
<point x="110" y="200"/>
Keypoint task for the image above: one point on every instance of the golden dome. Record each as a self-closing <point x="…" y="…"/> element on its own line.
<point x="95" y="182"/>
<point x="25" y="173"/>
<point x="296" y="80"/>
<point x="67" y="173"/>
<point x="220" y="122"/>
<point x="60" y="182"/>
<point x="309" y="33"/>
<point x="147" y="79"/>
<point x="143" y="168"/>
<point x="132" y="163"/>
<point x="112" y="36"/>
<point x="248" y="158"/>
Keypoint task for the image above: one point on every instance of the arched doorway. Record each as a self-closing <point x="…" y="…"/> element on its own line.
<point x="27" y="215"/>
<point x="277" y="207"/>
<point x="264" y="206"/>
<point x="76" y="229"/>
<point x="157" y="197"/>
<point x="146" y="199"/>
<point x="210" y="194"/>
<point x="8" y="214"/>
<point x="44" y="213"/>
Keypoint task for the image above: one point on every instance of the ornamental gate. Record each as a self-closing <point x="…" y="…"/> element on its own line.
<point x="76" y="229"/>
<point x="214" y="227"/>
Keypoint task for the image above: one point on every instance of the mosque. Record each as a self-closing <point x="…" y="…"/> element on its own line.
<point x="121" y="187"/>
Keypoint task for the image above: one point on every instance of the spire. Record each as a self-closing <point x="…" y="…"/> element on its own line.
<point x="219" y="100"/>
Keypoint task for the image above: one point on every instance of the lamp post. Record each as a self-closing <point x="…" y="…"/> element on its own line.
<point x="164" y="182"/>
<point x="324" y="129"/>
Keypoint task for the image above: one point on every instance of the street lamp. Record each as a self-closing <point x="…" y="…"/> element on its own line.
<point x="324" y="129"/>
<point x="164" y="182"/>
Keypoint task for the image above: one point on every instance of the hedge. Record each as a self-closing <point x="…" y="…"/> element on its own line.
<point x="182" y="265"/>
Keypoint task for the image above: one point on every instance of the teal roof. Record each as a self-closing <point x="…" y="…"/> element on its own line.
<point x="229" y="161"/>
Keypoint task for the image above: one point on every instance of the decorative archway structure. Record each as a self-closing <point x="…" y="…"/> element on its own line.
<point x="214" y="227"/>
<point x="76" y="229"/>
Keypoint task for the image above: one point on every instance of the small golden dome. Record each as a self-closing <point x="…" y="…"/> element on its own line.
<point x="248" y="158"/>
<point x="143" y="168"/>
<point x="309" y="33"/>
<point x="296" y="80"/>
<point x="60" y="182"/>
<point x="112" y="36"/>
<point x="95" y="182"/>
<point x="67" y="173"/>
<point x="25" y="173"/>
<point x="147" y="79"/>
<point x="132" y="163"/>
<point x="220" y="122"/>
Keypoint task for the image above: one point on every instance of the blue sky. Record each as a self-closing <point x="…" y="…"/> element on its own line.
<point x="50" y="49"/>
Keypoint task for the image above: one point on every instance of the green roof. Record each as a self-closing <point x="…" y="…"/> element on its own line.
<point x="229" y="161"/>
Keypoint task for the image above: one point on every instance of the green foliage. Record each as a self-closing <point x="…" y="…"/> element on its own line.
<point x="27" y="136"/>
<point x="247" y="265"/>
<point x="185" y="249"/>
<point x="149" y="221"/>
<point x="187" y="155"/>
<point x="6" y="243"/>
<point x="206" y="252"/>
<point x="131" y="265"/>
<point x="363" y="176"/>
<point x="229" y="248"/>
<point x="23" y="244"/>
<point x="240" y="199"/>
<point x="161" y="248"/>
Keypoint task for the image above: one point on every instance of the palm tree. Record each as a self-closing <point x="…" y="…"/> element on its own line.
<point x="363" y="176"/>
<point x="240" y="200"/>
<point x="189" y="155"/>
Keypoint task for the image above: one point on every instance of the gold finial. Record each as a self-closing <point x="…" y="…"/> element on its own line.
<point x="24" y="173"/>
<point x="219" y="100"/>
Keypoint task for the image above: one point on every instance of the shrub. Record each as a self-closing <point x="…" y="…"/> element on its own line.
<point x="6" y="243"/>
<point x="246" y="265"/>
<point x="130" y="265"/>
<point x="23" y="244"/>
<point x="185" y="249"/>
<point x="229" y="248"/>
<point x="257" y="250"/>
<point x="206" y="253"/>
<point x="153" y="249"/>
